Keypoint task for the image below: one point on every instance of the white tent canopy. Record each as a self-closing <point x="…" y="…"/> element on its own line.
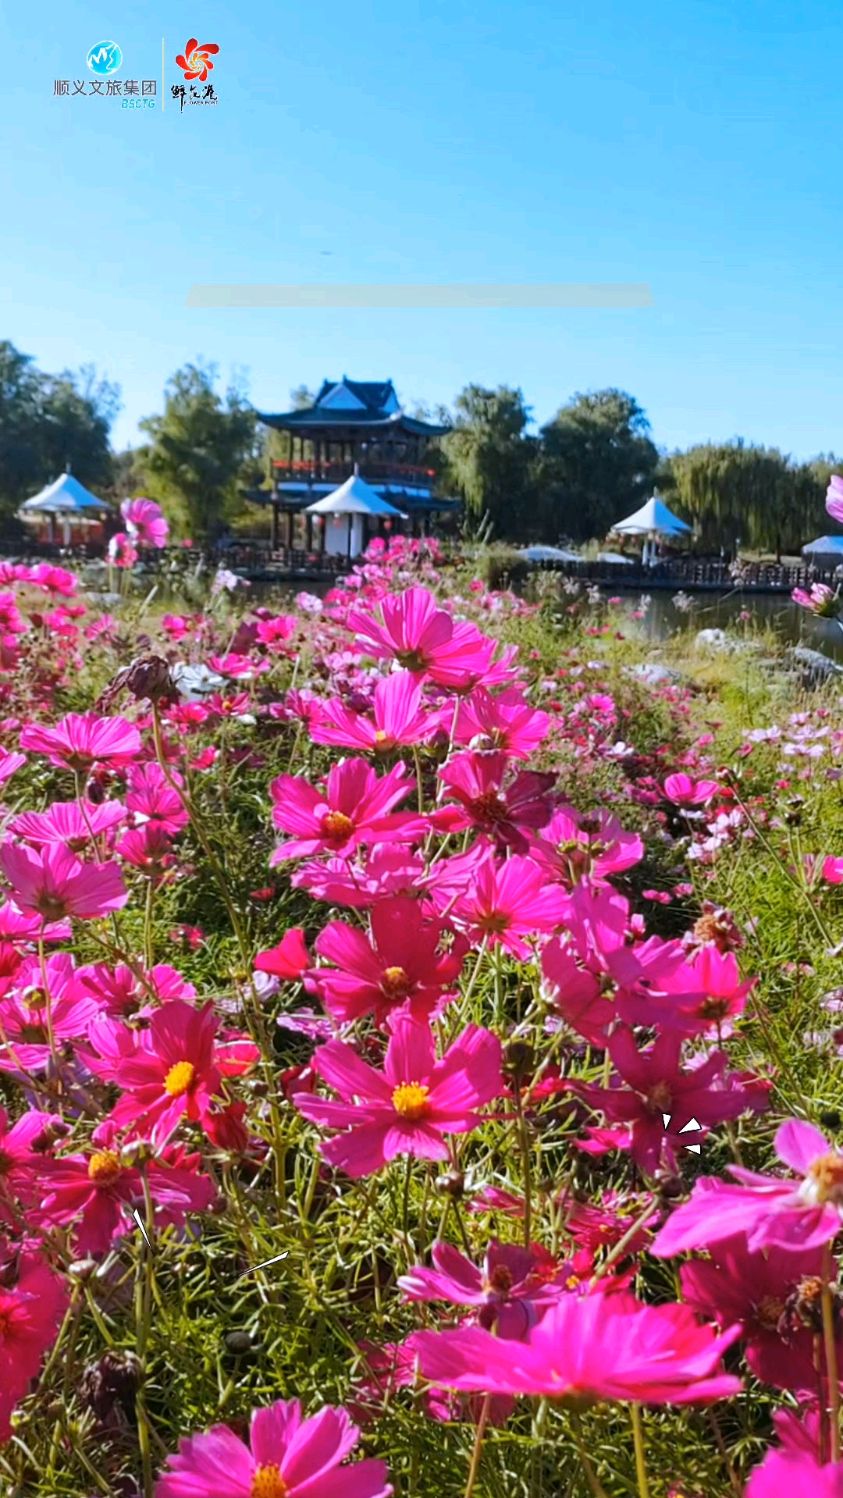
<point x="344" y="514"/>
<point x="354" y="497"/>
<point x="67" y="502"/>
<point x="653" y="519"/>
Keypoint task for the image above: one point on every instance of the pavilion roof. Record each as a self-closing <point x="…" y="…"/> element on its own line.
<point x="353" y="404"/>
<point x="65" y="496"/>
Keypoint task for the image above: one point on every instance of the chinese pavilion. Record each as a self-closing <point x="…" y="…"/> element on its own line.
<point x="354" y="427"/>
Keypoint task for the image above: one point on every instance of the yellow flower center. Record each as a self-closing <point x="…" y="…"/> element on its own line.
<point x="34" y="998"/>
<point x="826" y="1177"/>
<point x="380" y="736"/>
<point x="410" y="1100"/>
<point x="335" y="824"/>
<point x="267" y="1482"/>
<point x="104" y="1166"/>
<point x="179" y="1078"/>
<point x="395" y="983"/>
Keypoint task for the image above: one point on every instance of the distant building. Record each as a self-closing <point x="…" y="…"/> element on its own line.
<point x="353" y="426"/>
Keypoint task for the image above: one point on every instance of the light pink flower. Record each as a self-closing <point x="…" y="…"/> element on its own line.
<point x="685" y="791"/>
<point x="834" y="497"/>
<point x="145" y="521"/>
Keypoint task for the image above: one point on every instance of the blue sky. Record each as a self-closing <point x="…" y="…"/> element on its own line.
<point x="692" y="146"/>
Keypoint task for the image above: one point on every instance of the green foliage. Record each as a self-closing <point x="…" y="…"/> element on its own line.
<point x="198" y="448"/>
<point x="734" y="491"/>
<point x="597" y="464"/>
<point x="49" y="421"/>
<point x="489" y="459"/>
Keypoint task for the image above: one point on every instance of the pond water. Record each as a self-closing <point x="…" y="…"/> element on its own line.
<point x="792" y="625"/>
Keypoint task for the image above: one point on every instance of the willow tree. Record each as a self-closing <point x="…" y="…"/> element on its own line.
<point x="597" y="463"/>
<point x="734" y="491"/>
<point x="489" y="456"/>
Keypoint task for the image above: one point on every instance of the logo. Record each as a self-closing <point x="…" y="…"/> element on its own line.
<point x="104" y="58"/>
<point x="196" y="61"/>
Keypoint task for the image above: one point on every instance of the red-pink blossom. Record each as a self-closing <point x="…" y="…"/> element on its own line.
<point x="397" y="718"/>
<point x="508" y="1292"/>
<point x="31" y="1309"/>
<point x="73" y="823"/>
<point x="145" y="521"/>
<point x="286" y="1457"/>
<point x="402" y="963"/>
<point x="501" y="902"/>
<point x="588" y="1347"/>
<point x="355" y="806"/>
<point x="685" y="791"/>
<point x="485" y="797"/>
<point x="53" y="883"/>
<point x="412" y="1105"/>
<point x="81" y="740"/>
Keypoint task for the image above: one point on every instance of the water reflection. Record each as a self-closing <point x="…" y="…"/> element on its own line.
<point x="792" y="625"/>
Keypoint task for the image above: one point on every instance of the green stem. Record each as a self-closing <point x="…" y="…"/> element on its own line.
<point x="830" y="1348"/>
<point x="640" y="1461"/>
<point x="477" y="1451"/>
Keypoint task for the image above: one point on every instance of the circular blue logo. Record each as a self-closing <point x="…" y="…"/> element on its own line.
<point x="104" y="58"/>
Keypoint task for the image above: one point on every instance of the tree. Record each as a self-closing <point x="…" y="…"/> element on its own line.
<point x="49" y="421"/>
<point x="197" y="449"/>
<point x="597" y="464"/>
<point x="736" y="491"/>
<point x="489" y="459"/>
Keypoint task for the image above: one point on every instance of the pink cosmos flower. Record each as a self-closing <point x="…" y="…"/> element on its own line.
<point x="53" y="883"/>
<point x="69" y="822"/>
<point x="31" y="1310"/>
<point x="684" y="791"/>
<point x="122" y="551"/>
<point x="145" y="522"/>
<point x="832" y="870"/>
<point x="18" y="1153"/>
<point x="500" y="902"/>
<point x="275" y="632"/>
<point x="598" y="1347"/>
<point x="509" y="1291"/>
<point x="37" y="1020"/>
<point x="820" y="600"/>
<point x="81" y="740"/>
<point x="398" y="718"/>
<point x="289" y="959"/>
<point x="401" y="963"/>
<point x="796" y="1214"/>
<point x="759" y="1290"/>
<point x="834" y="497"/>
<point x="151" y="798"/>
<point x="651" y="1084"/>
<point x="409" y="628"/>
<point x="505" y="721"/>
<point x="790" y="1474"/>
<point x="574" y="846"/>
<point x="355" y="807"/>
<point x="53" y="579"/>
<point x="713" y="996"/>
<point x="286" y="1457"/>
<point x="9" y="763"/>
<point x="484" y="799"/>
<point x="389" y="869"/>
<point x="170" y="1071"/>
<point x="410" y="1106"/>
<point x="97" y="1193"/>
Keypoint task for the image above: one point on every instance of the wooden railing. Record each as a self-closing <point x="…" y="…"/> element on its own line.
<point x="308" y="472"/>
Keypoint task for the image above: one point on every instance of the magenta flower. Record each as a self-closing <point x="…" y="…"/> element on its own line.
<point x="409" y="1107"/>
<point x="588" y="1347"/>
<point x="796" y="1214"/>
<point x="507" y="1291"/>
<point x="760" y="1290"/>
<point x="574" y="846"/>
<point x="286" y="1457"/>
<point x="69" y="822"/>
<point x="355" y="807"/>
<point x="397" y="719"/>
<point x="9" y="763"/>
<point x="81" y="740"/>
<point x="31" y="1310"/>
<point x="651" y="1085"/>
<point x="401" y="963"/>
<point x="145" y="522"/>
<point x="53" y="883"/>
<point x="834" y="497"/>
<point x="18" y="1153"/>
<point x="820" y="600"/>
<point x="505" y="721"/>
<point x="789" y="1474"/>
<point x="485" y="799"/>
<point x="501" y="902"/>
<point x="168" y="1072"/>
<point x="410" y="629"/>
<point x="151" y="798"/>
<point x="97" y="1193"/>
<point x="684" y="791"/>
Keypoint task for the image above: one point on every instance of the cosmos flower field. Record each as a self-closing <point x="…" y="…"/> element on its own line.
<point x="419" y="1047"/>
